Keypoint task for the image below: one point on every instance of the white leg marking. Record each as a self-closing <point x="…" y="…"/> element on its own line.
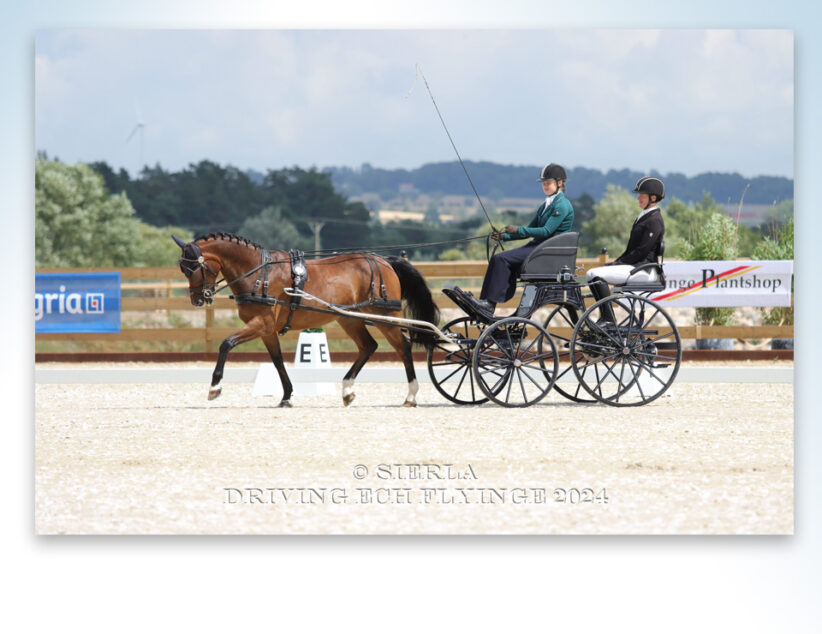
<point x="348" y="387"/>
<point x="413" y="388"/>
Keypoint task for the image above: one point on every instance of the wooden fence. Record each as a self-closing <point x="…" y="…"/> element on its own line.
<point x="155" y="287"/>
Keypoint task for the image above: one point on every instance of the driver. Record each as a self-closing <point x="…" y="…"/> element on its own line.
<point x="554" y="216"/>
<point x="643" y="246"/>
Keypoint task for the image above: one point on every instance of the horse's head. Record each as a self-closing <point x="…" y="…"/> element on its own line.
<point x="201" y="269"/>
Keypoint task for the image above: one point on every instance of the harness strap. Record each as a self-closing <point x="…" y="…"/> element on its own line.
<point x="382" y="301"/>
<point x="383" y="292"/>
<point x="299" y="273"/>
<point x="370" y="263"/>
<point x="262" y="278"/>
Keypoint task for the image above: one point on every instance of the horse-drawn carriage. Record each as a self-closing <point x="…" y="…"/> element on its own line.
<point x="551" y="341"/>
<point x="516" y="360"/>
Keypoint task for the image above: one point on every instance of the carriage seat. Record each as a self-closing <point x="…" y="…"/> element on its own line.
<point x="647" y="286"/>
<point x="547" y="260"/>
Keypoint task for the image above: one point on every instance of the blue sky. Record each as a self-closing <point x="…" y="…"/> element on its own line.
<point x="687" y="101"/>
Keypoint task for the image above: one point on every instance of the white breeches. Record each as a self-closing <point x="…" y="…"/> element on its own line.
<point x="619" y="273"/>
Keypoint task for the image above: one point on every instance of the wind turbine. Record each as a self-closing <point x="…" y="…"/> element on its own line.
<point x="138" y="127"/>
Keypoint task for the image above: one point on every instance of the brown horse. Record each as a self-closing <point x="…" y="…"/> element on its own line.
<point x="346" y="280"/>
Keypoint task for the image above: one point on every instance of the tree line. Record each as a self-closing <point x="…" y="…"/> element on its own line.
<point x="517" y="181"/>
<point x="92" y="215"/>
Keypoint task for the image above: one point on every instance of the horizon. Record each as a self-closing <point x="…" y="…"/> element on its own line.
<point x="325" y="168"/>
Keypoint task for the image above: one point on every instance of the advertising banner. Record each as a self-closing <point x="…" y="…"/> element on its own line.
<point x="727" y="283"/>
<point x="77" y="302"/>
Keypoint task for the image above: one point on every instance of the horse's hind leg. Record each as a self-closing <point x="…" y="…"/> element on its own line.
<point x="272" y="344"/>
<point x="403" y="348"/>
<point x="366" y="347"/>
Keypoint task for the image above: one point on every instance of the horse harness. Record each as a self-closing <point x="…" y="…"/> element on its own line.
<point x="299" y="275"/>
<point x="197" y="261"/>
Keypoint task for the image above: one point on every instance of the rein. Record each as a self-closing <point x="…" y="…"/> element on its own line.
<point x="210" y="289"/>
<point x="391" y="247"/>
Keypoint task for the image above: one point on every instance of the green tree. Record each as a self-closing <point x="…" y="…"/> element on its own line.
<point x="451" y="255"/>
<point x="583" y="211"/>
<point x="270" y="229"/>
<point x="715" y="240"/>
<point x="778" y="247"/>
<point x="783" y="212"/>
<point x="610" y="227"/>
<point x="155" y="246"/>
<point x="77" y="222"/>
<point x="683" y="223"/>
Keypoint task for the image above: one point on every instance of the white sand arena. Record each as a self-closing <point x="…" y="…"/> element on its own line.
<point x="160" y="458"/>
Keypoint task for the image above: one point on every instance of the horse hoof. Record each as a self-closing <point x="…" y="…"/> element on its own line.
<point x="212" y="394"/>
<point x="285" y="404"/>
<point x="409" y="404"/>
<point x="347" y="399"/>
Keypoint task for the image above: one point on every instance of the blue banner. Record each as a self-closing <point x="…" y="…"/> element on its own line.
<point x="77" y="302"/>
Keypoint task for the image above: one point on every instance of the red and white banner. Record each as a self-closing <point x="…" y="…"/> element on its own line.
<point x="723" y="283"/>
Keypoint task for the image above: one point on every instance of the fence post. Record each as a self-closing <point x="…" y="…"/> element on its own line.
<point x="603" y="256"/>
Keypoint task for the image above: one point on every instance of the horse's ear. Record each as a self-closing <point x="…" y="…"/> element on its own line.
<point x="179" y="242"/>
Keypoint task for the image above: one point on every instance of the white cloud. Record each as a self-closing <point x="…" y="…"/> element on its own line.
<point x="269" y="98"/>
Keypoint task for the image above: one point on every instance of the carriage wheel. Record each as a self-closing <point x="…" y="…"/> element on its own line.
<point x="452" y="375"/>
<point x="566" y="383"/>
<point x="635" y="360"/>
<point x="515" y="362"/>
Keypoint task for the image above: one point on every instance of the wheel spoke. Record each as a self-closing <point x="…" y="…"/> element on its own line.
<point x="510" y="344"/>
<point x="666" y="335"/>
<point x="508" y="394"/>
<point x="536" y="339"/>
<point x="564" y="372"/>
<point x="600" y="359"/>
<point x="521" y="385"/>
<point x="602" y="330"/>
<point x="602" y="380"/>
<point x="539" y="357"/>
<point x="462" y="379"/>
<point x="621" y="374"/>
<point x="452" y="374"/>
<point x="438" y="364"/>
<point x="494" y="371"/>
<point x="651" y="318"/>
<point x="650" y="371"/>
<point x="653" y="355"/>
<point x="639" y="387"/>
<point x="610" y="371"/>
<point x="530" y="378"/>
<point x="599" y="381"/>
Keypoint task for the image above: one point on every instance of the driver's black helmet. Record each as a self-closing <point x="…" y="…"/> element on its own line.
<point x="650" y="185"/>
<point x="552" y="171"/>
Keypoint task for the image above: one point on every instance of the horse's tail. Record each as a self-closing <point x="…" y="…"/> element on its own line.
<point x="416" y="292"/>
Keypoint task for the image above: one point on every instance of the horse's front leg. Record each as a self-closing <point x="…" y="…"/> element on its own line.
<point x="272" y="344"/>
<point x="253" y="329"/>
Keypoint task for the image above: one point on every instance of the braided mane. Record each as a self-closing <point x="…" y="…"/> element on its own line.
<point x="231" y="237"/>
